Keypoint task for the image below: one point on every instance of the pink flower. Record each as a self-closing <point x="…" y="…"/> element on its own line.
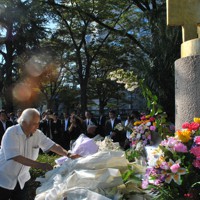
<point x="195" y="151"/>
<point x="152" y="128"/>
<point x="133" y="143"/>
<point x="194" y="126"/>
<point x="164" y="165"/>
<point x="174" y="168"/>
<point x="143" y="118"/>
<point x="170" y="142"/>
<point x="180" y="147"/>
<point x="197" y="140"/>
<point x="185" y="125"/>
<point x="152" y="119"/>
<point x="196" y="163"/>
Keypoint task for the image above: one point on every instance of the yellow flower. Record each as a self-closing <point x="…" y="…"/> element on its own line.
<point x="160" y="161"/>
<point x="158" y="151"/>
<point x="147" y="116"/>
<point x="184" y="135"/>
<point x="197" y="120"/>
<point x="137" y="123"/>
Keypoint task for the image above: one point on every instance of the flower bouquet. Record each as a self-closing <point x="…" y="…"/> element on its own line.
<point x="143" y="134"/>
<point x="174" y="167"/>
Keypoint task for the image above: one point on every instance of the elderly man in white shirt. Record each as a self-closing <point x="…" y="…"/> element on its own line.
<point x="19" y="151"/>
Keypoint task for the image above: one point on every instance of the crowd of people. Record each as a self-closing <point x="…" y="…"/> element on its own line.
<point x="65" y="128"/>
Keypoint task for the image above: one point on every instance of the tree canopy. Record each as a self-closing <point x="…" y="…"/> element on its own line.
<point x="90" y="39"/>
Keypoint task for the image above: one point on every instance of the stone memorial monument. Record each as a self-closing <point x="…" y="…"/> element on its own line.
<point x="186" y="13"/>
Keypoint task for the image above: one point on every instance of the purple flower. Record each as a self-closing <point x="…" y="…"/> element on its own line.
<point x="144" y="142"/>
<point x="157" y="182"/>
<point x="180" y="147"/>
<point x="145" y="183"/>
<point x="170" y="142"/>
<point x="149" y="137"/>
<point x="152" y="128"/>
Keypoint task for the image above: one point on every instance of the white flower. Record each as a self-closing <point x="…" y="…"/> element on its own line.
<point x="112" y="78"/>
<point x="148" y="124"/>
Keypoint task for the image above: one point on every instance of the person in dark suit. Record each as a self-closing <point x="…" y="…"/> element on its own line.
<point x="56" y="128"/>
<point x="101" y="124"/>
<point x="75" y="129"/>
<point x="65" y="131"/>
<point x="12" y="118"/>
<point x="89" y="120"/>
<point x="115" y="135"/>
<point x="46" y="123"/>
<point x="18" y="114"/>
<point x="4" y="123"/>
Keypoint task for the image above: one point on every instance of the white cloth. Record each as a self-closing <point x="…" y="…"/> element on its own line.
<point x="97" y="173"/>
<point x="15" y="143"/>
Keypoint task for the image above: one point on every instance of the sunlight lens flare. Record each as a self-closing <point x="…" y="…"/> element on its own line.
<point x="34" y="66"/>
<point x="22" y="92"/>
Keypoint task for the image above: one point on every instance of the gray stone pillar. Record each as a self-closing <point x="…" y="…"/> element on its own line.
<point x="187" y="89"/>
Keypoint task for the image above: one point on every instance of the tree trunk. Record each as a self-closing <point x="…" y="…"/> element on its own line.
<point x="8" y="68"/>
<point x="84" y="98"/>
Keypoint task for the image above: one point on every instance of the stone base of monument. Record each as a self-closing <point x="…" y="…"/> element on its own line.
<point x="187" y="89"/>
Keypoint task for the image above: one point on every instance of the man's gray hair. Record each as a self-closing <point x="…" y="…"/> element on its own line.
<point x="27" y="115"/>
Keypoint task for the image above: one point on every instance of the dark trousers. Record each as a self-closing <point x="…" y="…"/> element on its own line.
<point x="16" y="194"/>
<point x="66" y="140"/>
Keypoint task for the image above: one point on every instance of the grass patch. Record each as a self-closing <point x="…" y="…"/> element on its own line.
<point x="45" y="158"/>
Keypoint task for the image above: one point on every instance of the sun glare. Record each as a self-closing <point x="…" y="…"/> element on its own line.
<point x="22" y="92"/>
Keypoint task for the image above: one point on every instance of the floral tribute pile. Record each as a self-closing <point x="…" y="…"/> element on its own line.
<point x="174" y="167"/>
<point x="146" y="132"/>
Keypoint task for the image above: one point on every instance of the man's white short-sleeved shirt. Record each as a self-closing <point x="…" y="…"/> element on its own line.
<point x="15" y="143"/>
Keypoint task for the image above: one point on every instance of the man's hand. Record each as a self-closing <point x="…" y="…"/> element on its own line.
<point x="45" y="166"/>
<point x="32" y="163"/>
<point x="56" y="148"/>
<point x="74" y="156"/>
